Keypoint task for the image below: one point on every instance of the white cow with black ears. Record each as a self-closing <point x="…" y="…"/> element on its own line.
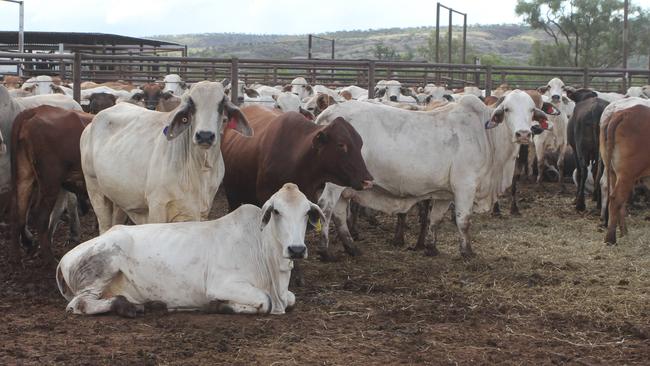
<point x="158" y="166"/>
<point x="240" y="263"/>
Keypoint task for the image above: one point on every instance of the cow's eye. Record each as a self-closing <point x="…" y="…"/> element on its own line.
<point x="185" y="120"/>
<point x="506" y="110"/>
<point x="276" y="212"/>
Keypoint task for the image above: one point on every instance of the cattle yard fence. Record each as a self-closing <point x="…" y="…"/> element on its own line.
<point x="80" y="67"/>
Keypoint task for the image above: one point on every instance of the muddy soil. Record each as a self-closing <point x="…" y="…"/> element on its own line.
<point x="543" y="289"/>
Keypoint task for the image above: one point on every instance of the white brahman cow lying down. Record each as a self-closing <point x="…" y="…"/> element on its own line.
<point x="446" y="155"/>
<point x="158" y="166"/>
<point x="240" y="263"/>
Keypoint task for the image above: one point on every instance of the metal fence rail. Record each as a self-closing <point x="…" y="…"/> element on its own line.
<point x="80" y="67"/>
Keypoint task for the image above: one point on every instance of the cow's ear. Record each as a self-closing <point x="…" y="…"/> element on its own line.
<point x="322" y="101"/>
<point x="315" y="214"/>
<point x="320" y="139"/>
<point x="286" y="88"/>
<point x="310" y="90"/>
<point x="236" y="119"/>
<point x="565" y="100"/>
<point x="180" y="120"/>
<point x="306" y="113"/>
<point x="167" y="95"/>
<point x="539" y="115"/>
<point x="550" y="109"/>
<point x="543" y="89"/>
<point x="498" y="115"/>
<point x="252" y="93"/>
<point x="225" y="82"/>
<point x="267" y="210"/>
<point x="380" y="93"/>
<point x="137" y="96"/>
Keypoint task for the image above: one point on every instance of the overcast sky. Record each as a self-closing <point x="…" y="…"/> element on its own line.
<point x="152" y="17"/>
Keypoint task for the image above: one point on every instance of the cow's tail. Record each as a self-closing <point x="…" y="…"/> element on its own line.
<point x="16" y="145"/>
<point x="610" y="133"/>
<point x="64" y="289"/>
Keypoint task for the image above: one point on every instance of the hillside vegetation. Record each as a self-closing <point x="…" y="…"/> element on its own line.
<point x="511" y="43"/>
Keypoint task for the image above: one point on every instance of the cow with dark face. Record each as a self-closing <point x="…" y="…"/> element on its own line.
<point x="150" y="95"/>
<point x="100" y="101"/>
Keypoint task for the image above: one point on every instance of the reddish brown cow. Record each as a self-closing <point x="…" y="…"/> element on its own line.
<point x="153" y="98"/>
<point x="45" y="157"/>
<point x="627" y="160"/>
<point x="286" y="147"/>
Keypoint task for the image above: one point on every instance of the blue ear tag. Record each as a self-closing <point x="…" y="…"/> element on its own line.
<point x="165" y="130"/>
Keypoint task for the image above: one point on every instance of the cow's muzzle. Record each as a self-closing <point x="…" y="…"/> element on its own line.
<point x="297" y="251"/>
<point x="205" y="138"/>
<point x="523" y="136"/>
<point x="393" y="98"/>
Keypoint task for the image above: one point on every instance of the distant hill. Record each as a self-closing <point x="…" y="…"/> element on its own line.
<point x="510" y="42"/>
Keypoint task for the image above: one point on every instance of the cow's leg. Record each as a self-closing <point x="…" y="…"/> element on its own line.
<point x="539" y="153"/>
<point x="297" y="278"/>
<point x="560" y="168"/>
<point x="73" y="216"/>
<point x="582" y="179"/>
<point x="622" y="187"/>
<point x="464" y="204"/>
<point x="20" y="202"/>
<point x="339" y="216"/>
<point x="90" y="303"/>
<point x="102" y="206"/>
<point x="531" y="160"/>
<point x="400" y="227"/>
<point x="353" y="218"/>
<point x="239" y="298"/>
<point x="496" y="209"/>
<point x="514" y="208"/>
<point x="438" y="210"/>
<point x="43" y="209"/>
<point x="424" y="208"/>
<point x="65" y="201"/>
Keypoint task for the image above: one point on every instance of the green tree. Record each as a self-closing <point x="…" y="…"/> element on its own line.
<point x="585" y="33"/>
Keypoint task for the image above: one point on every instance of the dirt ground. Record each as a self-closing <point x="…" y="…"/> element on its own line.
<point x="543" y="289"/>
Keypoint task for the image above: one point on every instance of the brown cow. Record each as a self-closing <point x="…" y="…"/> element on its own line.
<point x="44" y="156"/>
<point x="286" y="148"/>
<point x="627" y="160"/>
<point x="12" y="82"/>
<point x="152" y="97"/>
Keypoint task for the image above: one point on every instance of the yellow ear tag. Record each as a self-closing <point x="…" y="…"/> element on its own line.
<point x="319" y="226"/>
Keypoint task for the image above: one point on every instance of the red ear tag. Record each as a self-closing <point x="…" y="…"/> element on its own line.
<point x="543" y="124"/>
<point x="232" y="123"/>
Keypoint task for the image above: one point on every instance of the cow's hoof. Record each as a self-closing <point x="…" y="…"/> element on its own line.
<point x="467" y="254"/>
<point x="580" y="206"/>
<point x="123" y="307"/>
<point x="327" y="257"/>
<point x="431" y="251"/>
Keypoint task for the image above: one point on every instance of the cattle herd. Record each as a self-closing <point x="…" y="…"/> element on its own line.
<point x="149" y="159"/>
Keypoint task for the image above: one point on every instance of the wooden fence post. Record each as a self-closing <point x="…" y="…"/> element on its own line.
<point x="76" y="75"/>
<point x="234" y="80"/>
<point x="488" y="81"/>
<point x="585" y="78"/>
<point x="371" y="79"/>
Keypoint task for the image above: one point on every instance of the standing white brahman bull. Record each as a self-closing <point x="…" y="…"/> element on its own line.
<point x="301" y="88"/>
<point x="158" y="166"/>
<point x="445" y="155"/>
<point x="174" y="84"/>
<point x="240" y="263"/>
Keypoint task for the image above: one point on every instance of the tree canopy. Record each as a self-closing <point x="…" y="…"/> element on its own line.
<point x="585" y="33"/>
